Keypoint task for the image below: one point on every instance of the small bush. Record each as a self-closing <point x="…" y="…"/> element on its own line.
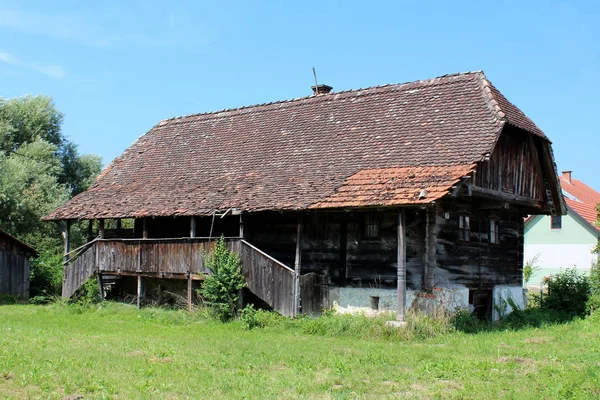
<point x="593" y="304"/>
<point x="530" y="268"/>
<point x="248" y="317"/>
<point x="568" y="291"/>
<point x="221" y="289"/>
<point x="464" y="321"/>
<point x="89" y="293"/>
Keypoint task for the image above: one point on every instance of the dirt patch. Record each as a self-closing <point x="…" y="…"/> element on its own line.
<point x="7" y="376"/>
<point x="136" y="353"/>
<point x="161" y="360"/>
<point x="536" y="340"/>
<point x="516" y="360"/>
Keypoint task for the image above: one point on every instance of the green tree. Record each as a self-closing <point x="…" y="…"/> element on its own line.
<point x="39" y="170"/>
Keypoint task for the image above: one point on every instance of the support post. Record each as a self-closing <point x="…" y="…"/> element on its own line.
<point x="297" y="265"/>
<point x="343" y="248"/>
<point x="241" y="227"/>
<point x="430" y="257"/>
<point x="119" y="224"/>
<point x="189" y="291"/>
<point x="145" y="228"/>
<point x="100" y="287"/>
<point x="139" y="292"/>
<point x="101" y="229"/>
<point x="192" y="226"/>
<point x="90" y="232"/>
<point x="67" y="239"/>
<point x="401" y="267"/>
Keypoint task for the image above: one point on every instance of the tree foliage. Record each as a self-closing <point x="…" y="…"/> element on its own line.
<point x="221" y="289"/>
<point x="39" y="170"/>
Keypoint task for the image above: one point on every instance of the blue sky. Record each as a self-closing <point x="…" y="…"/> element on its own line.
<point x="116" y="68"/>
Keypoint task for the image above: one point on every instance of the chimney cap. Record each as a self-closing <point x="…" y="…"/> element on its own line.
<point x="321" y="89"/>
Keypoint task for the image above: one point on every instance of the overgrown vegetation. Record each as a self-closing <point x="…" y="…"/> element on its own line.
<point x="221" y="289"/>
<point x="568" y="291"/>
<point x="39" y="170"/>
<point x="531" y="267"/>
<point x="115" y="351"/>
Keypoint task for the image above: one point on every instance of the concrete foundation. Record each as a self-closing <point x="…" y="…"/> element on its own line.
<point x="503" y="296"/>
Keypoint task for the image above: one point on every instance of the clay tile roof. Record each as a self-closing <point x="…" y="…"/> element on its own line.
<point x="581" y="199"/>
<point x="311" y="152"/>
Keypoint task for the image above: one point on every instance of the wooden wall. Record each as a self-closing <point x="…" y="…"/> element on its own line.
<point x="513" y="167"/>
<point x="14" y="269"/>
<point x="477" y="263"/>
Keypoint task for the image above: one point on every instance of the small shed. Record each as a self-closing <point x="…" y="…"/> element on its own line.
<point x="14" y="266"/>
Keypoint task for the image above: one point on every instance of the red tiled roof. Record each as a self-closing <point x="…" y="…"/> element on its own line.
<point x="586" y="199"/>
<point x="315" y="152"/>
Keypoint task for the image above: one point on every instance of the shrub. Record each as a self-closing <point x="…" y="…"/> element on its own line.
<point x="530" y="268"/>
<point x="89" y="293"/>
<point x="248" y="317"/>
<point x="568" y="291"/>
<point x="221" y="289"/>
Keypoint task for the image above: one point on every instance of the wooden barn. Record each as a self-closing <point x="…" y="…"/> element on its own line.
<point x="386" y="197"/>
<point x="14" y="266"/>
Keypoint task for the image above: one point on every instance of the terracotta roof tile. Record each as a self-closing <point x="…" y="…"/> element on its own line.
<point x="582" y="199"/>
<point x="305" y="152"/>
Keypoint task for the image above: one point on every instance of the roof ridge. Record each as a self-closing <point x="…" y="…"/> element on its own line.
<point x="329" y="96"/>
<point x="490" y="98"/>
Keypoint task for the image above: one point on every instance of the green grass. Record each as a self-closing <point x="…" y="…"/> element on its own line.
<point x="115" y="351"/>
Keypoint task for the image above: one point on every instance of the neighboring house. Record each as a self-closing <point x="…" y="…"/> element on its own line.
<point x="387" y="197"/>
<point x="14" y="266"/>
<point x="564" y="241"/>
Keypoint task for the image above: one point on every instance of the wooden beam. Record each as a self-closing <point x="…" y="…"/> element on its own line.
<point x="430" y="256"/>
<point x="90" y="232"/>
<point x="192" y="226"/>
<point x="189" y="291"/>
<point x="145" y="228"/>
<point x="241" y="226"/>
<point x="100" y="287"/>
<point x="401" y="313"/>
<point x="158" y="275"/>
<point x="101" y="229"/>
<point x="343" y="248"/>
<point x="139" y="292"/>
<point x="298" y="264"/>
<point x="66" y="228"/>
<point x="506" y="197"/>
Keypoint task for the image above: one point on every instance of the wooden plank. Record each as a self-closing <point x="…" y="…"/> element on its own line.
<point x="139" y="292"/>
<point x="401" y="292"/>
<point x="298" y="265"/>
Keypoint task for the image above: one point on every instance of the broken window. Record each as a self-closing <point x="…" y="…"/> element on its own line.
<point x="494" y="231"/>
<point x="464" y="227"/>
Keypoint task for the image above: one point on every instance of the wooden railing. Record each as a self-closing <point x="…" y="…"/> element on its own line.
<point x="267" y="278"/>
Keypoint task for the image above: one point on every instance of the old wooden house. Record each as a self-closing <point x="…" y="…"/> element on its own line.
<point x="386" y="197"/>
<point x="14" y="266"/>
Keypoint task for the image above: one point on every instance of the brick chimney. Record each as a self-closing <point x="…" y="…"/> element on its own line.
<point x="567" y="176"/>
<point x="321" y="89"/>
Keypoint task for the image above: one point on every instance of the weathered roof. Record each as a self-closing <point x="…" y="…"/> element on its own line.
<point x="24" y="246"/>
<point x="581" y="199"/>
<point x="313" y="152"/>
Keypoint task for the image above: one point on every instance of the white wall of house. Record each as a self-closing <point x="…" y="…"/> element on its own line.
<point x="568" y="247"/>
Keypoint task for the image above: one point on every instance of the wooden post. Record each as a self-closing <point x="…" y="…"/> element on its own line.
<point x="343" y="247"/>
<point x="100" y="287"/>
<point x="90" y="233"/>
<point x="192" y="226"/>
<point x="189" y="291"/>
<point x="297" y="265"/>
<point x="430" y="248"/>
<point x="401" y="267"/>
<point x="241" y="227"/>
<point x="145" y="228"/>
<point x="139" y="292"/>
<point x="101" y="229"/>
<point x="67" y="238"/>
<point x="119" y="224"/>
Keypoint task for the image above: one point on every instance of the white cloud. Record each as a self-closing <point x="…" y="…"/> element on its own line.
<point x="53" y="71"/>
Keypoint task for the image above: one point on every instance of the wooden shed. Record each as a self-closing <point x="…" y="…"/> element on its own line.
<point x="386" y="197"/>
<point x="14" y="266"/>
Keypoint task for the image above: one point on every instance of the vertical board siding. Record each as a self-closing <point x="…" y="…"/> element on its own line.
<point x="513" y="167"/>
<point x="268" y="279"/>
<point x="76" y="273"/>
<point x="14" y="269"/>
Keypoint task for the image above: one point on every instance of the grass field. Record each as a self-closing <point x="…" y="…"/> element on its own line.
<point x="116" y="351"/>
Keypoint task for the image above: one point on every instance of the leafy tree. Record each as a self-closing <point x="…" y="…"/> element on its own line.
<point x="39" y="170"/>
